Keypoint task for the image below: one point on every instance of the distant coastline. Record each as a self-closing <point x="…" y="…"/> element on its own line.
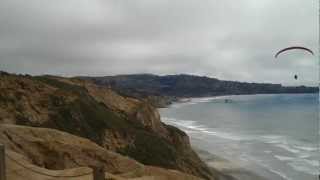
<point x="162" y="91"/>
<point x="224" y="97"/>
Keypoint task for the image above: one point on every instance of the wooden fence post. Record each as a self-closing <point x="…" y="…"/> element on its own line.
<point x="98" y="173"/>
<point x="2" y="163"/>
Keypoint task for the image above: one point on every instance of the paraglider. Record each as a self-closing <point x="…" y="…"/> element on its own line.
<point x="294" y="48"/>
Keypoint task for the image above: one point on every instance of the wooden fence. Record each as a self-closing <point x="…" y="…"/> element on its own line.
<point x="2" y="163"/>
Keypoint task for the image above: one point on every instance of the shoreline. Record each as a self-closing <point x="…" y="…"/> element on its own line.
<point x="227" y="170"/>
<point x="183" y="100"/>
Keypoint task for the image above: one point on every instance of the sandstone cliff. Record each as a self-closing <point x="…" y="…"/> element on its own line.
<point x="124" y="125"/>
<point x="41" y="153"/>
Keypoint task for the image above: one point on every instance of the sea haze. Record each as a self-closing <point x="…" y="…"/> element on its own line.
<point x="272" y="135"/>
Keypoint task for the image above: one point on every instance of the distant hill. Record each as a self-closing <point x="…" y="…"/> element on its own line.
<point x="182" y="86"/>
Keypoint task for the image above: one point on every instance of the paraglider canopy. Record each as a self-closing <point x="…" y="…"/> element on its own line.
<point x="293" y="48"/>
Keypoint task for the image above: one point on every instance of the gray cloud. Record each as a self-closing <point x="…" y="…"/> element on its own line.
<point x="224" y="39"/>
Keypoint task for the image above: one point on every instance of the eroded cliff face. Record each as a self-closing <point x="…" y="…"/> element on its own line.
<point x="53" y="149"/>
<point x="124" y="125"/>
<point x="51" y="152"/>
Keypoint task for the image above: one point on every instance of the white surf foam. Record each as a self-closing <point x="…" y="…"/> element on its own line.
<point x="281" y="174"/>
<point x="288" y="148"/>
<point x="300" y="149"/>
<point x="306" y="148"/>
<point x="284" y="158"/>
<point x="306" y="166"/>
<point x="298" y="160"/>
<point x="267" y="152"/>
<point x="188" y="125"/>
<point x="269" y="168"/>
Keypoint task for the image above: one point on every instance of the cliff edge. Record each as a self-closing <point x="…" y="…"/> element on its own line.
<point x="124" y="125"/>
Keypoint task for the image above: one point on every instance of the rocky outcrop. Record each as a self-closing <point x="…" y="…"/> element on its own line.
<point x="135" y="110"/>
<point x="23" y="99"/>
<point x="58" y="150"/>
<point x="161" y="101"/>
<point x="125" y="125"/>
<point x="19" y="168"/>
<point x="41" y="153"/>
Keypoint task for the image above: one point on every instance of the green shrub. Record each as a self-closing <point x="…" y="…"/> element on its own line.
<point x="151" y="149"/>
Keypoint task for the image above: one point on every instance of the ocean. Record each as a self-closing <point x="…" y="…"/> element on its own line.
<point x="275" y="136"/>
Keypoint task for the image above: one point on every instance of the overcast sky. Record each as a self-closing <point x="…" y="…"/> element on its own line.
<point x="227" y="39"/>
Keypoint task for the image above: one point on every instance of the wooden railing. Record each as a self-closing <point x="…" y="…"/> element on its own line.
<point x="98" y="172"/>
<point x="2" y="163"/>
